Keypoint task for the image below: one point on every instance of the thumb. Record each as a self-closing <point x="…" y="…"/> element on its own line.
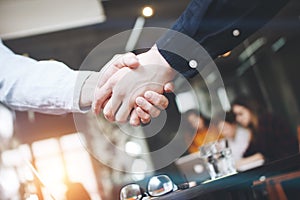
<point x="169" y="87"/>
<point x="128" y="60"/>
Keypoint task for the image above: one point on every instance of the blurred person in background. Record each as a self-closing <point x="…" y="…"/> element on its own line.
<point x="200" y="125"/>
<point x="237" y="136"/>
<point x="271" y="137"/>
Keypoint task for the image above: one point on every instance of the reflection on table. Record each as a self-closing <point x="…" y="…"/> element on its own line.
<point x="250" y="184"/>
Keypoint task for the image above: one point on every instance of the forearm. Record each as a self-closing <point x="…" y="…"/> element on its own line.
<point x="45" y="86"/>
<point x="254" y="160"/>
<point x="211" y="23"/>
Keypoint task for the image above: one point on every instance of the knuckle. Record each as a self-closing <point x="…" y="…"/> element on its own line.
<point x="156" y="100"/>
<point x="119" y="94"/>
<point x="156" y="113"/>
<point x="140" y="113"/>
<point x="145" y="121"/>
<point x="148" y="107"/>
<point x="165" y="104"/>
<point x="129" y="54"/>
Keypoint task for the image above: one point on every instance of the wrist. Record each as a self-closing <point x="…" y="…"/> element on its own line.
<point x="87" y="90"/>
<point x="158" y="59"/>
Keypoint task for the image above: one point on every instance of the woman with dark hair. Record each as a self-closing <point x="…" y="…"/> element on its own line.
<point x="271" y="137"/>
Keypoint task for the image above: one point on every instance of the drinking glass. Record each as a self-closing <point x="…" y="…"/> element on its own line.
<point x="218" y="158"/>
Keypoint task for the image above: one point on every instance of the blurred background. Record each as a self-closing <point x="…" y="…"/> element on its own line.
<point x="44" y="156"/>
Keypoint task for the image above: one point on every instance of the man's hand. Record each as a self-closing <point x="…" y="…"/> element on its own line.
<point x="146" y="108"/>
<point x="125" y="87"/>
<point x="150" y="105"/>
<point x="98" y="79"/>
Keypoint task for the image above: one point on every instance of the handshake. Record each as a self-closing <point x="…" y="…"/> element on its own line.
<point x="130" y="87"/>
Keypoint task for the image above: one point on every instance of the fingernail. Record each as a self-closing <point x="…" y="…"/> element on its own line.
<point x="148" y="94"/>
<point x="108" y="116"/>
<point x="134" y="122"/>
<point x="105" y="112"/>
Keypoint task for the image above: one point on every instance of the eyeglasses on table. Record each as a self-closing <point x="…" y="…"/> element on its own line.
<point x="157" y="186"/>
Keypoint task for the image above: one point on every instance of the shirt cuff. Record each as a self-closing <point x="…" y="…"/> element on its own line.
<point x="183" y="54"/>
<point x="81" y="78"/>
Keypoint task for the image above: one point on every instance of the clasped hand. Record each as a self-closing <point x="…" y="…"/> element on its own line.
<point x="131" y="87"/>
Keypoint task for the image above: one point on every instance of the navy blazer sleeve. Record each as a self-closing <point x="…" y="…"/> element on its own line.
<point x="218" y="26"/>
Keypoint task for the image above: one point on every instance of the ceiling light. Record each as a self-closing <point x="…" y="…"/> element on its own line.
<point x="147" y="11"/>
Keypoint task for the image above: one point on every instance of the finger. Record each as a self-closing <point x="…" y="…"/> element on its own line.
<point x="169" y="87"/>
<point x="156" y="99"/>
<point x="125" y="107"/>
<point x="108" y="70"/>
<point x="134" y="118"/>
<point x="101" y="95"/>
<point x="123" y="113"/>
<point x="118" y="108"/>
<point x="105" y="92"/>
<point x="127" y="60"/>
<point x="117" y="62"/>
<point x="145" y="117"/>
<point x="109" y="111"/>
<point x="147" y="107"/>
<point x="104" y="103"/>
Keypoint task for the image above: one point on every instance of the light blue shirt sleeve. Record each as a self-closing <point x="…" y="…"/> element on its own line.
<point x="42" y="86"/>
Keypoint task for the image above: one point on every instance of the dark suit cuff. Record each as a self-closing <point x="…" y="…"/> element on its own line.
<point x="168" y="48"/>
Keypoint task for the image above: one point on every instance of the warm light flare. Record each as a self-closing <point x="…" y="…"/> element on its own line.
<point x="147" y="11"/>
<point x="226" y="54"/>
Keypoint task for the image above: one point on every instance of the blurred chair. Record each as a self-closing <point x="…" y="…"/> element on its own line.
<point x="280" y="187"/>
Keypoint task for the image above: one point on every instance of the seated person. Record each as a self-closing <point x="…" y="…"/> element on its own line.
<point x="238" y="137"/>
<point x="271" y="137"/>
<point x="204" y="133"/>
